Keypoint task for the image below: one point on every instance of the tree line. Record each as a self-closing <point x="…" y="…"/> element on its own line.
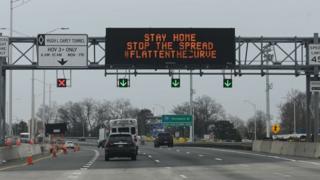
<point x="87" y="116"/>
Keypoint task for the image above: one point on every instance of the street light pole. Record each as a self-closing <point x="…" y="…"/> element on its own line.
<point x="255" y="119"/>
<point x="10" y="71"/>
<point x="294" y="118"/>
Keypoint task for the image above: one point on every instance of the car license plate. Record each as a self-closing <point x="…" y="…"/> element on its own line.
<point x="120" y="146"/>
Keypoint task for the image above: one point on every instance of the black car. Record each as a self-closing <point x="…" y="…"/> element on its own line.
<point x="120" y="145"/>
<point x="163" y="139"/>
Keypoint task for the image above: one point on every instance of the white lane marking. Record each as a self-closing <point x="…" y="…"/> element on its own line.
<point x="183" y="176"/>
<point x="76" y="173"/>
<point x="252" y="154"/>
<point x="178" y="150"/>
<point x="218" y="159"/>
<point x="243" y="165"/>
<point x="157" y="160"/>
<point x="200" y="155"/>
<point x="187" y="152"/>
<point x="283" y="175"/>
<point x="73" y="177"/>
<point x="144" y="153"/>
<point x="310" y="162"/>
<point x="149" y="156"/>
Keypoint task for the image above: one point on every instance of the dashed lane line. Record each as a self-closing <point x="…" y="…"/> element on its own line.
<point x="183" y="176"/>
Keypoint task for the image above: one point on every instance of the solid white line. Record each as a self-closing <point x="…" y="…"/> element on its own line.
<point x="157" y="161"/>
<point x="183" y="176"/>
<point x="200" y="155"/>
<point x="252" y="154"/>
<point x="76" y="172"/>
<point x="283" y="175"/>
<point x="149" y="156"/>
<point x="309" y="162"/>
<point x="218" y="159"/>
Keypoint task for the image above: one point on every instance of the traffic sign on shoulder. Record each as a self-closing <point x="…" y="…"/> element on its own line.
<point x="314" y="54"/>
<point x="175" y="83"/>
<point x="276" y="128"/>
<point x="62" y="50"/>
<point x="4" y="46"/>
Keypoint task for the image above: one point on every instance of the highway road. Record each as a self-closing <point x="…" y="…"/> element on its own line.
<point x="164" y="163"/>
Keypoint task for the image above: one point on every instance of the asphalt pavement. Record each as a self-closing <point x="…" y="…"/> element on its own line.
<point x="167" y="164"/>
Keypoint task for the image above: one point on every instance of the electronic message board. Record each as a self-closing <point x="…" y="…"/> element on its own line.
<point x="170" y="48"/>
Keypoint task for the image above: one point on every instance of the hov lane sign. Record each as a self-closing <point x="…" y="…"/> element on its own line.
<point x="62" y="50"/>
<point x="4" y="46"/>
<point x="314" y="54"/>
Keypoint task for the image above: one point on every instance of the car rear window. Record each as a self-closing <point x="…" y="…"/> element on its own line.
<point x="118" y="138"/>
<point x="164" y="135"/>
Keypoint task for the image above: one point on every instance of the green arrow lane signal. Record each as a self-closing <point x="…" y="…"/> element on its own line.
<point x="227" y="83"/>
<point x="175" y="83"/>
<point x="123" y="83"/>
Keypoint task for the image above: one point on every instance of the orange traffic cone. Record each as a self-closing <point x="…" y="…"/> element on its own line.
<point x="18" y="142"/>
<point x="29" y="160"/>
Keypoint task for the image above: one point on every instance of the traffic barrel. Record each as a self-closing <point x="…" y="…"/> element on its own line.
<point x="29" y="157"/>
<point x="18" y="142"/>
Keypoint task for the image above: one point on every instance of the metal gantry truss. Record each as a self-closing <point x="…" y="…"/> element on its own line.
<point x="254" y="56"/>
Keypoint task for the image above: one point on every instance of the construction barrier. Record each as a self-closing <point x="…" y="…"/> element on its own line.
<point x="17" y="152"/>
<point x="303" y="149"/>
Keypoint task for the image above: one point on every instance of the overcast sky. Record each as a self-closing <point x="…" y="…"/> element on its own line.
<point x="249" y="17"/>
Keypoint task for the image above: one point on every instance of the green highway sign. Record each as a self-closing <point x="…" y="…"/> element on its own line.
<point x="176" y="120"/>
<point x="175" y="83"/>
<point x="123" y="83"/>
<point x="227" y="83"/>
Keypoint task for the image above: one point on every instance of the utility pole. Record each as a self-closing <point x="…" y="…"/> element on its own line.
<point x="268" y="88"/>
<point x="10" y="71"/>
<point x="191" y="108"/>
<point x="316" y="100"/>
<point x="2" y="100"/>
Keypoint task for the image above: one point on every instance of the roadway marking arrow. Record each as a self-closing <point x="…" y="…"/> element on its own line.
<point x="62" y="62"/>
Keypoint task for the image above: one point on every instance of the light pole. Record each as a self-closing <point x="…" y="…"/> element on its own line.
<point x="21" y="3"/>
<point x="294" y="115"/>
<point x="255" y="119"/>
<point x="32" y="124"/>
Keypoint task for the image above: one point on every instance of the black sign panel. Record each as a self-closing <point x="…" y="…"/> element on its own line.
<point x="170" y="48"/>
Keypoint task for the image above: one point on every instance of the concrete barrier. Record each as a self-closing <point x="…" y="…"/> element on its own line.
<point x="276" y="147"/>
<point x="310" y="149"/>
<point x="256" y="146"/>
<point x="288" y="148"/>
<point x="266" y="146"/>
<point x="17" y="152"/>
<point x="317" y="153"/>
<point x="303" y="149"/>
